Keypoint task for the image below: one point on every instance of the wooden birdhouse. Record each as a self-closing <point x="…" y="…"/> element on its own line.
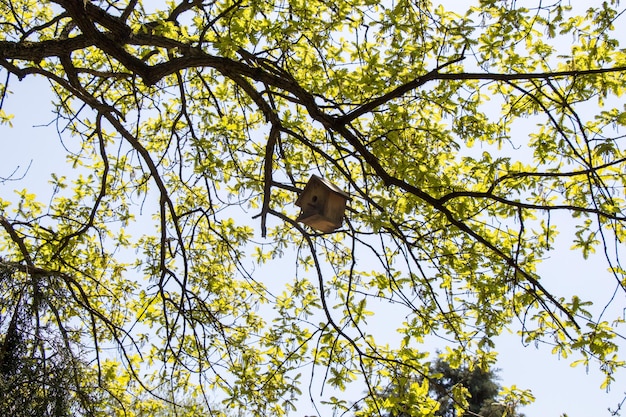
<point x="323" y="205"/>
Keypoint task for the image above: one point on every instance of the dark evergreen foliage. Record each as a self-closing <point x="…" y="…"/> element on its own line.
<point x="480" y="383"/>
<point x="39" y="374"/>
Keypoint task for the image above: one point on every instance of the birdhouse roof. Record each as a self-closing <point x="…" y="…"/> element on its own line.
<point x="326" y="184"/>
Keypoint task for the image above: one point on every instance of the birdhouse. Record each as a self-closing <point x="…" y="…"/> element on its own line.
<point x="323" y="205"/>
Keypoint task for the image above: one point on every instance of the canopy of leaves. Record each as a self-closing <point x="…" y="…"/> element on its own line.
<point x="468" y="138"/>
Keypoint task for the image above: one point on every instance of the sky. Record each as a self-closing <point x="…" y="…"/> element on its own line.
<point x="31" y="151"/>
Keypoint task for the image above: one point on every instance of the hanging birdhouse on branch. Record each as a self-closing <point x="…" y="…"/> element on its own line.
<point x="323" y="205"/>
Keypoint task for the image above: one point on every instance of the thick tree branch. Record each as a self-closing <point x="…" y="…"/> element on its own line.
<point x="17" y="239"/>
